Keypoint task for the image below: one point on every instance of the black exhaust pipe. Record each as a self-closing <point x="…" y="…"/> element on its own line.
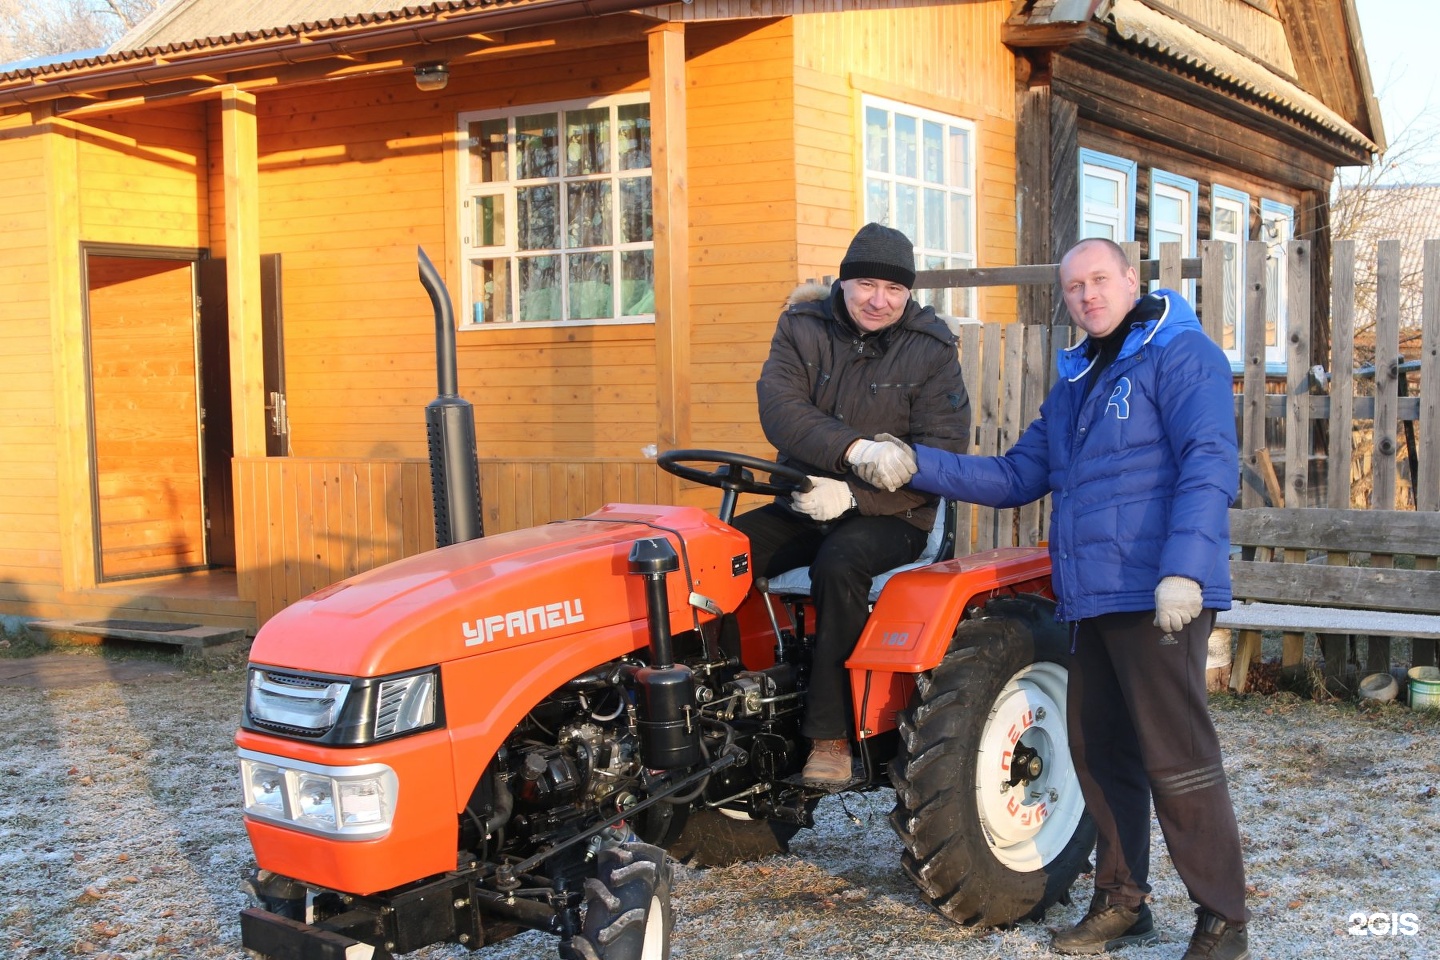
<point x="450" y="429"/>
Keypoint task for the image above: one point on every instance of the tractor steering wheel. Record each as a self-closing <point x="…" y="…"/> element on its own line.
<point x="733" y="475"/>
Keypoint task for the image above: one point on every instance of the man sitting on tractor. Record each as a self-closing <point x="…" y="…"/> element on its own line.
<point x="851" y="366"/>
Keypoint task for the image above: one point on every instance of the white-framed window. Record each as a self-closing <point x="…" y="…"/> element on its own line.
<point x="1230" y="226"/>
<point x="1174" y="206"/>
<point x="920" y="179"/>
<point x="556" y="224"/>
<point x="1107" y="196"/>
<point x="1277" y="228"/>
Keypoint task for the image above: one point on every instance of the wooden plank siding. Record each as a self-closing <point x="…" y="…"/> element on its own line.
<point x="303" y="523"/>
<point x="143" y="177"/>
<point x="347" y="203"/>
<point x="907" y="53"/>
<point x="29" y="493"/>
<point x="742" y="220"/>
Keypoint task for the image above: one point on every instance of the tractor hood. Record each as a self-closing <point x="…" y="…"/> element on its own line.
<point x="505" y="591"/>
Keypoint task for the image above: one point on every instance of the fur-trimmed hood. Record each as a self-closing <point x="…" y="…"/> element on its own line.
<point x="807" y="292"/>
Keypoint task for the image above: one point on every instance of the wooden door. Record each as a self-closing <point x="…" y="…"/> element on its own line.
<point x="145" y="415"/>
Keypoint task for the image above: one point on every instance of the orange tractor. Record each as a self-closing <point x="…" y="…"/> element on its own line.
<point x="516" y="732"/>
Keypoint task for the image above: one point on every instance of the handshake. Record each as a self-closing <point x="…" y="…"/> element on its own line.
<point x="884" y="462"/>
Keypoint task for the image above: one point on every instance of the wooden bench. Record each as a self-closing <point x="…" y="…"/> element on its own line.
<point x="1333" y="573"/>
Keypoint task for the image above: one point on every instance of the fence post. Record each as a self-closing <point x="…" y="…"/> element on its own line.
<point x="1427" y="482"/>
<point x="1297" y="376"/>
<point x="1212" y="289"/>
<point x="1252" y="407"/>
<point x="1387" y="374"/>
<point x="1342" y="375"/>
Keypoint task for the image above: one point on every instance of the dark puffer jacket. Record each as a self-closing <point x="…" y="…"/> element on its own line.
<point x="826" y="384"/>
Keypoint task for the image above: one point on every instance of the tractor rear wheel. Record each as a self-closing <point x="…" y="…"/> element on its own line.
<point x="627" y="907"/>
<point x="987" y="802"/>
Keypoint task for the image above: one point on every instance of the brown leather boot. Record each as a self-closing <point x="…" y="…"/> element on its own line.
<point x="829" y="762"/>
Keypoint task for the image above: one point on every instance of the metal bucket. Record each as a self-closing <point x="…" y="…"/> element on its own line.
<point x="1424" y="688"/>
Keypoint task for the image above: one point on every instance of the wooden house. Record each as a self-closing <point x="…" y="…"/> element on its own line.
<point x="218" y="352"/>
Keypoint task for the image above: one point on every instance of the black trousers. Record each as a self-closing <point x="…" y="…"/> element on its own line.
<point x="1140" y="729"/>
<point x="843" y="555"/>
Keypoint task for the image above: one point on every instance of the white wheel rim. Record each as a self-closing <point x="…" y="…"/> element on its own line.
<point x="654" y="948"/>
<point x="1027" y="825"/>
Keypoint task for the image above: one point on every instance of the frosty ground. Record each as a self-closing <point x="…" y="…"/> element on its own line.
<point x="121" y="837"/>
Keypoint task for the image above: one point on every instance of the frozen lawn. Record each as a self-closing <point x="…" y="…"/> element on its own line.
<point x="120" y="837"/>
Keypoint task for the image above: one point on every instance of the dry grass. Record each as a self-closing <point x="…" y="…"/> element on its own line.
<point x="120" y="837"/>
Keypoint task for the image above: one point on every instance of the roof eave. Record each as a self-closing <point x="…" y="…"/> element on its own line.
<point x="299" y="43"/>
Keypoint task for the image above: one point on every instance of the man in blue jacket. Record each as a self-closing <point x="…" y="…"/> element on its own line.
<point x="1136" y="442"/>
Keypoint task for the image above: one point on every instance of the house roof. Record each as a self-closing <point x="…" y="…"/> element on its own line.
<point x="1167" y="35"/>
<point x="1262" y="49"/>
<point x="178" y="21"/>
<point x="205" y="59"/>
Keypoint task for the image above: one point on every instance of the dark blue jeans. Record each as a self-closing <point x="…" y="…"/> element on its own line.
<point x="843" y="555"/>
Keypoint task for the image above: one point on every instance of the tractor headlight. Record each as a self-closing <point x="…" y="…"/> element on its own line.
<point x="349" y="803"/>
<point x="264" y="788"/>
<point x="343" y="711"/>
<point x="299" y="702"/>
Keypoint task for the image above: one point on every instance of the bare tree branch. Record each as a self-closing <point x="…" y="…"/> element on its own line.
<point x="42" y="28"/>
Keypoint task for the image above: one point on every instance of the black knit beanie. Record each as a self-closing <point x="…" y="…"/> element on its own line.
<point x="880" y="253"/>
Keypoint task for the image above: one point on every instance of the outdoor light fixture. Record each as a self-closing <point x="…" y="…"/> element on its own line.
<point x="432" y="75"/>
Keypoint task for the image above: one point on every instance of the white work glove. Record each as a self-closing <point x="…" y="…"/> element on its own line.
<point x="1177" y="602"/>
<point x="825" y="500"/>
<point x="883" y="462"/>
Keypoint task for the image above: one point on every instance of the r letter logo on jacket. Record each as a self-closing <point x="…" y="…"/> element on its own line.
<point x="1120" y="399"/>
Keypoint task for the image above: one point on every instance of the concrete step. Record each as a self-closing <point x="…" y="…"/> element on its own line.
<point x="195" y="640"/>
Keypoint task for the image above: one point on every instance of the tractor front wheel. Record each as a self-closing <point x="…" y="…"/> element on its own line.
<point x="627" y="907"/>
<point x="987" y="802"/>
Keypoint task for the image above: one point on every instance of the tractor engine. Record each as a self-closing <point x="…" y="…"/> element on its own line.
<point x="574" y="760"/>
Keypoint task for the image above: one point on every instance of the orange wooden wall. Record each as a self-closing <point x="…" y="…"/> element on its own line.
<point x="742" y="218"/>
<point x="29" y="504"/>
<point x="943" y="57"/>
<point x="354" y="175"/>
<point x="142" y="177"/>
<point x="352" y="179"/>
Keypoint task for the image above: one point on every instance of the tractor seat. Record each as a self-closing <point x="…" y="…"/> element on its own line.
<point x="796" y="582"/>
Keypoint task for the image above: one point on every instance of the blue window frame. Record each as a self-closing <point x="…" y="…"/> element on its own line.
<point x="1174" y="218"/>
<point x="1277" y="228"/>
<point x="1230" y="226"/>
<point x="1107" y="196"/>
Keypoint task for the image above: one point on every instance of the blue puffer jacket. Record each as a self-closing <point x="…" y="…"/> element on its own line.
<point x="1143" y="472"/>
